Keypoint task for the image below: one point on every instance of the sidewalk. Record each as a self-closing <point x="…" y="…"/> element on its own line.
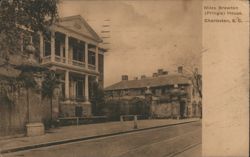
<point x="63" y="134"/>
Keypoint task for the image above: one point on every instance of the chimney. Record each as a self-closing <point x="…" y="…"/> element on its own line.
<point x="164" y="72"/>
<point x="124" y="77"/>
<point x="155" y="74"/>
<point x="143" y="76"/>
<point x="180" y="70"/>
<point x="160" y="71"/>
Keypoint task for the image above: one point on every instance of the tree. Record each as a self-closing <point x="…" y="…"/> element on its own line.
<point x="191" y="67"/>
<point x="33" y="15"/>
<point x="49" y="84"/>
<point x="97" y="98"/>
<point x="8" y="90"/>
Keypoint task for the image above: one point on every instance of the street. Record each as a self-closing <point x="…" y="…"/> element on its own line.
<point x="162" y="142"/>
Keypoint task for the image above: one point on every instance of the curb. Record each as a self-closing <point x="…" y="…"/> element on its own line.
<point x="41" y="145"/>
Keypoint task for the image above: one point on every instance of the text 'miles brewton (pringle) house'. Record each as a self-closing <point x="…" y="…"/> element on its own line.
<point x="174" y="93"/>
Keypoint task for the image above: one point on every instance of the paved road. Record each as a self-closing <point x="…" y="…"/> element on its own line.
<point x="161" y="142"/>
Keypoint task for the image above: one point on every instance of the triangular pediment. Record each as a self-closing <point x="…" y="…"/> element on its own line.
<point x="79" y="25"/>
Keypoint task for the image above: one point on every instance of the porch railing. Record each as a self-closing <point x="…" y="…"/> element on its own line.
<point x="91" y="67"/>
<point x="76" y="63"/>
<point x="46" y="59"/>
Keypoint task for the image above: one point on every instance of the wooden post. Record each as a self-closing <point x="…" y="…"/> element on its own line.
<point x="121" y="118"/>
<point x="135" y="122"/>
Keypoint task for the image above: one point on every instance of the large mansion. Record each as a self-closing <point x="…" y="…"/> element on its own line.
<point x="73" y="51"/>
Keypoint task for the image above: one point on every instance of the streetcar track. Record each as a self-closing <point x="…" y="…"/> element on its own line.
<point x="86" y="139"/>
<point x="151" y="144"/>
<point x="183" y="150"/>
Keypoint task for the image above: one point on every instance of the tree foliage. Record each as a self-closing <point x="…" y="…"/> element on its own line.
<point x="34" y="15"/>
<point x="49" y="84"/>
<point x="27" y="80"/>
<point x="97" y="98"/>
<point x="197" y="83"/>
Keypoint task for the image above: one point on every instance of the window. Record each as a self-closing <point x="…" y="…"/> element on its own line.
<point x="47" y="48"/>
<point x="79" y="89"/>
<point x="25" y="41"/>
<point x="78" y="52"/>
<point x="91" y="58"/>
<point x="57" y="47"/>
<point x="158" y="92"/>
<point x="64" y="51"/>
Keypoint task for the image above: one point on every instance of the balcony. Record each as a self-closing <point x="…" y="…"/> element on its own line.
<point x="78" y="63"/>
<point x="62" y="60"/>
<point x="91" y="67"/>
<point x="46" y="59"/>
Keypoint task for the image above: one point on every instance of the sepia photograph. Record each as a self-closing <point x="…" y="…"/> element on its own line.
<point x="113" y="78"/>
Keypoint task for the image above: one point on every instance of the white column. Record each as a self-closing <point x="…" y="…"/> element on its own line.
<point x="66" y="48"/>
<point x="86" y="55"/>
<point x="41" y="45"/>
<point x="97" y="79"/>
<point x="52" y="46"/>
<point x="66" y="84"/>
<point x="87" y="87"/>
<point x="96" y="58"/>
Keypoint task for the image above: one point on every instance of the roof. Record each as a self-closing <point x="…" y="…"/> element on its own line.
<point x="79" y="24"/>
<point x="151" y="81"/>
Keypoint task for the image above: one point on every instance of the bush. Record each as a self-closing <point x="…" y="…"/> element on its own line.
<point x="139" y="106"/>
<point x="113" y="109"/>
<point x="48" y="123"/>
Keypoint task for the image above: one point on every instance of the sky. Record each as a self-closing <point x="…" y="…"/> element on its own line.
<point x="145" y="35"/>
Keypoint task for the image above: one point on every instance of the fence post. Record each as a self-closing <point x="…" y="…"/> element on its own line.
<point x="121" y="118"/>
<point x="135" y="122"/>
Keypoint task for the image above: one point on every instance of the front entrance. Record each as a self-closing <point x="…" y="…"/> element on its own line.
<point x="78" y="111"/>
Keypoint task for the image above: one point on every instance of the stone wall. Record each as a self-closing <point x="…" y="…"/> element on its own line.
<point x="13" y="118"/>
<point x="68" y="108"/>
<point x="165" y="110"/>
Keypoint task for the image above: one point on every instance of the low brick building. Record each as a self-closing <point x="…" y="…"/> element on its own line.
<point x="174" y="94"/>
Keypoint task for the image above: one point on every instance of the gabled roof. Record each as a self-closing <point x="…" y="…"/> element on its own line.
<point x="152" y="82"/>
<point x="79" y="24"/>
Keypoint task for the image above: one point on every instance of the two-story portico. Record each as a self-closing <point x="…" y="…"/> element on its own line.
<point x="73" y="50"/>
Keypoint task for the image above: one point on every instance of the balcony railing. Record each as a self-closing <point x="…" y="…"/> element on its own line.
<point x="76" y="63"/>
<point x="46" y="59"/>
<point x="91" y="67"/>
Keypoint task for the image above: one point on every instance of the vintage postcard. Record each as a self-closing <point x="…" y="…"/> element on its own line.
<point x="124" y="78"/>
